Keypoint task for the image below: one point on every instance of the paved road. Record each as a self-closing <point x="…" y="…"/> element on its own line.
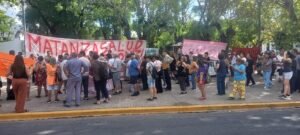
<point x="258" y="122"/>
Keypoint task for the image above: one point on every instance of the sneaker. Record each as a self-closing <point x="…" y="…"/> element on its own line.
<point x="287" y="98"/>
<point x="135" y="94"/>
<point x="266" y="88"/>
<point x="183" y="92"/>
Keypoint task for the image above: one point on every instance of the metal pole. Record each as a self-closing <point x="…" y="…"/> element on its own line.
<point x="24" y="25"/>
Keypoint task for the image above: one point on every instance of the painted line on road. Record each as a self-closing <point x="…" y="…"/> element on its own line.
<point x="142" y="110"/>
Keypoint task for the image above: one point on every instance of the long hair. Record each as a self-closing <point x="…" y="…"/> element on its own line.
<point x="18" y="66"/>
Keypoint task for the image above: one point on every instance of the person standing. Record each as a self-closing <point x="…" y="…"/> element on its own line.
<point x="133" y="72"/>
<point x="73" y="70"/>
<point x="19" y="75"/>
<point x="298" y="70"/>
<point x="249" y="70"/>
<point x="41" y="76"/>
<point x="9" y="81"/>
<point x="158" y="83"/>
<point x="233" y="62"/>
<point x="52" y="79"/>
<point x="173" y="66"/>
<point x="239" y="80"/>
<point x="143" y="69"/>
<point x="221" y="74"/>
<point x="193" y="68"/>
<point x="279" y="64"/>
<point x="182" y="73"/>
<point x="293" y="81"/>
<point x="287" y="75"/>
<point x="85" y="75"/>
<point x="62" y="61"/>
<point x="48" y="57"/>
<point x="167" y="60"/>
<point x="151" y="76"/>
<point x="267" y="69"/>
<point x="201" y="77"/>
<point x="115" y="65"/>
<point x="99" y="70"/>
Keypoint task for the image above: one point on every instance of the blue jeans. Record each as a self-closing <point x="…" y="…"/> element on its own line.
<point x="193" y="80"/>
<point x="267" y="81"/>
<point x="221" y="84"/>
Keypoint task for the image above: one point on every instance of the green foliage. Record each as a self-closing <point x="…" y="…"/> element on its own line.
<point x="6" y="24"/>
<point x="240" y="23"/>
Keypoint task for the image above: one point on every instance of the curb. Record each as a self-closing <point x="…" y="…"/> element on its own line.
<point x="142" y="110"/>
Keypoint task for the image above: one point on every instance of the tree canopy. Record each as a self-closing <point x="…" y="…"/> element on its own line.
<point x="243" y="23"/>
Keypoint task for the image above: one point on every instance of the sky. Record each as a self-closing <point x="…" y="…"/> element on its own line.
<point x="12" y="12"/>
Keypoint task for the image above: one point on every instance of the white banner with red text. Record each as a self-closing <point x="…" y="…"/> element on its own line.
<point x="200" y="47"/>
<point x="40" y="45"/>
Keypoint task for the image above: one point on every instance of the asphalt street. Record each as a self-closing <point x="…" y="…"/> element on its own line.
<point x="257" y="122"/>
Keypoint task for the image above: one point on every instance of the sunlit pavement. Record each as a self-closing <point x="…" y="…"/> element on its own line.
<point x="169" y="98"/>
<point x="258" y="122"/>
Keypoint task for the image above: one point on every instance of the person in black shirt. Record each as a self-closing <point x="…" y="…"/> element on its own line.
<point x="221" y="74"/>
<point x="144" y="73"/>
<point x="249" y="70"/>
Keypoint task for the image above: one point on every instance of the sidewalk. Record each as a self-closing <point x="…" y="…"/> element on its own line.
<point x="254" y="94"/>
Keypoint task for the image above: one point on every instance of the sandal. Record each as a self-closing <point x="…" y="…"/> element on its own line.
<point x="203" y="98"/>
<point x="49" y="101"/>
<point x="38" y="96"/>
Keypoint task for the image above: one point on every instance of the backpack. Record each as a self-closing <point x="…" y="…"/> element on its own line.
<point x="154" y="73"/>
<point x="103" y="73"/>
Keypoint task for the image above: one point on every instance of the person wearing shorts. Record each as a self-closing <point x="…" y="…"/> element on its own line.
<point x="115" y="65"/>
<point x="133" y="71"/>
<point x="150" y="80"/>
<point x="52" y="79"/>
<point x="201" y="78"/>
<point x="287" y="75"/>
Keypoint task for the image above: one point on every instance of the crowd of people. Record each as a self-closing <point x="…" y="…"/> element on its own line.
<point x="70" y="75"/>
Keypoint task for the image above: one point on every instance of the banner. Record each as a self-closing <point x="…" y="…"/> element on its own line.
<point x="6" y="60"/>
<point x="252" y="51"/>
<point x="200" y="47"/>
<point x="152" y="52"/>
<point x="40" y="45"/>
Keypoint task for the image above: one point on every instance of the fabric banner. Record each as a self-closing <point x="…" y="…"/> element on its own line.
<point x="6" y="60"/>
<point x="40" y="45"/>
<point x="252" y="51"/>
<point x="200" y="47"/>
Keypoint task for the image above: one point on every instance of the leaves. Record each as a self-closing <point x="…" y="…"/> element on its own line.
<point x="242" y="23"/>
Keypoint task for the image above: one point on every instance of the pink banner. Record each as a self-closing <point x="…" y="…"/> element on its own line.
<point x="39" y="45"/>
<point x="200" y="47"/>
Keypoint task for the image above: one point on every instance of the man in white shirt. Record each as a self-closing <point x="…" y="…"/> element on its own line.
<point x="115" y="65"/>
<point x="63" y="60"/>
<point x="158" y="65"/>
<point x="85" y="75"/>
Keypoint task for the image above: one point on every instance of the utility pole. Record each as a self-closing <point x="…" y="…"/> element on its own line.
<point x="24" y="25"/>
